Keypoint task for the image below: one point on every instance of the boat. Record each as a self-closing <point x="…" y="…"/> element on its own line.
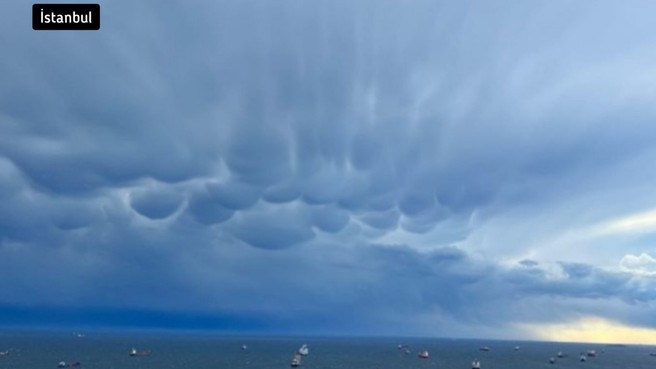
<point x="592" y="353"/>
<point x="63" y="364"/>
<point x="423" y="354"/>
<point x="516" y="348"/>
<point x="402" y="347"/>
<point x="560" y="355"/>
<point x="552" y="360"/>
<point x="303" y="351"/>
<point x="484" y="348"/>
<point x="652" y="354"/>
<point x="4" y="353"/>
<point x="582" y="357"/>
<point x="476" y="364"/>
<point x="134" y="352"/>
<point x="296" y="361"/>
<point x="244" y="347"/>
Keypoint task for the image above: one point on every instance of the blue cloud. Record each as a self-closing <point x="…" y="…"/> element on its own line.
<point x="329" y="219"/>
<point x="258" y="154"/>
<point x="401" y="160"/>
<point x="155" y="204"/>
<point x="281" y="193"/>
<point x="273" y="230"/>
<point x="234" y="195"/>
<point x="205" y="209"/>
<point x="381" y="220"/>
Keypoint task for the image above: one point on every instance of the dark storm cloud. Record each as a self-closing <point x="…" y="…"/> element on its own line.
<point x="273" y="229"/>
<point x="234" y="195"/>
<point x="329" y="219"/>
<point x="281" y="193"/>
<point x="258" y="154"/>
<point x="206" y="209"/>
<point x="154" y="203"/>
<point x="396" y="155"/>
<point x="387" y="220"/>
<point x="427" y="219"/>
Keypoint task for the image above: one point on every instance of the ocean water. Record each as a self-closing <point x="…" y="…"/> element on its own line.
<point x="110" y="351"/>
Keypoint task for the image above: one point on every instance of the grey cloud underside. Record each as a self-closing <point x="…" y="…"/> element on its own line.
<point x="282" y="139"/>
<point x="205" y="209"/>
<point x="155" y="204"/>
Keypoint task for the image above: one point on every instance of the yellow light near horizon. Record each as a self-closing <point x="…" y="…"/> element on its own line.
<point x="593" y="330"/>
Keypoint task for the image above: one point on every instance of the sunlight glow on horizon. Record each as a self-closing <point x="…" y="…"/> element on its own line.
<point x="593" y="330"/>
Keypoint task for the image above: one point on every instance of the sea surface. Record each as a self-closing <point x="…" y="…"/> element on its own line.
<point x="32" y="350"/>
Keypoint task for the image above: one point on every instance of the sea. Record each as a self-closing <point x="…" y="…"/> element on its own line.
<point x="43" y="350"/>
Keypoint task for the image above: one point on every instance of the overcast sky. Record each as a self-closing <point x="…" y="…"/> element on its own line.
<point x="435" y="168"/>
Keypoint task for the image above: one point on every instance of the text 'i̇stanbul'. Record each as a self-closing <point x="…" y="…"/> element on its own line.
<point x="66" y="17"/>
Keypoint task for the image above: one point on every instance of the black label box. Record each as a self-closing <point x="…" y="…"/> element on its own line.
<point x="66" y="16"/>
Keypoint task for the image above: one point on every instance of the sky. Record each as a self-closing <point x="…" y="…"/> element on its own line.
<point x="428" y="168"/>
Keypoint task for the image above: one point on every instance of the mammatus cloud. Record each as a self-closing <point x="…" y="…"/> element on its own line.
<point x="155" y="204"/>
<point x="406" y="158"/>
